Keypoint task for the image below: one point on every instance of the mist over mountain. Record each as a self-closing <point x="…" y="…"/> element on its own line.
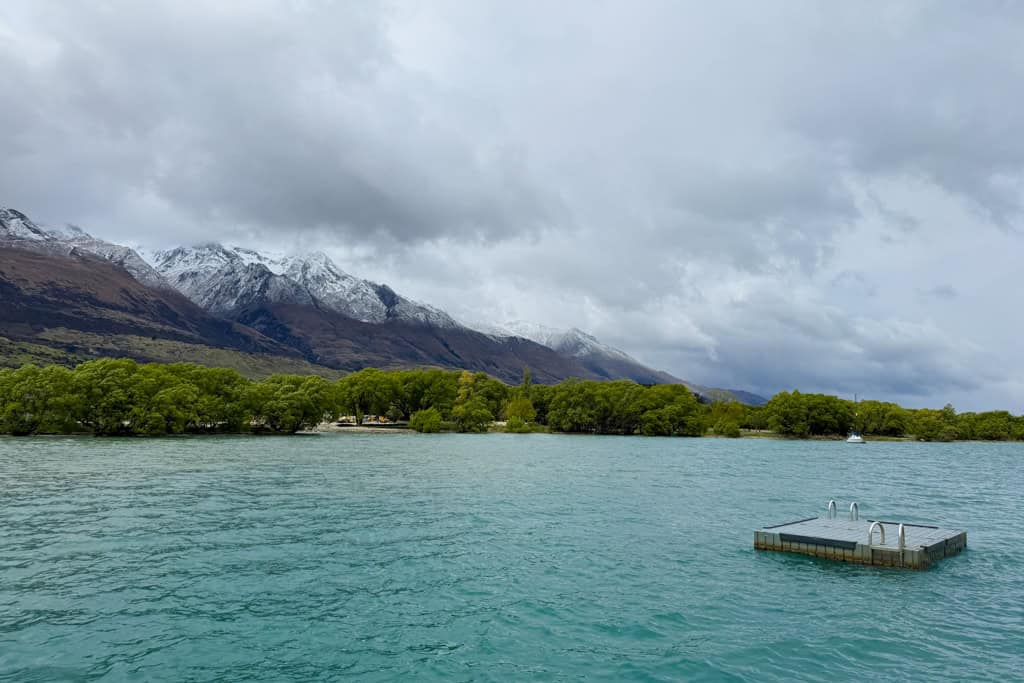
<point x="608" y="362"/>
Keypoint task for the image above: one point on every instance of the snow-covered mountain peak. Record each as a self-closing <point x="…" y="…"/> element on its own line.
<point x="14" y="225"/>
<point x="79" y="240"/>
<point x="225" y="279"/>
<point x="357" y="298"/>
<point x="201" y="271"/>
<point x="269" y="260"/>
<point x="16" y="228"/>
<point x="201" y="259"/>
<point x="313" y="265"/>
<point x="69" y="232"/>
<point x="316" y="258"/>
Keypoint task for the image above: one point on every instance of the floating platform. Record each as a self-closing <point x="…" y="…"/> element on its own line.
<point x="864" y="541"/>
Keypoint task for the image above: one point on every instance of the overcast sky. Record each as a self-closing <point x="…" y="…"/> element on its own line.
<point x="757" y="195"/>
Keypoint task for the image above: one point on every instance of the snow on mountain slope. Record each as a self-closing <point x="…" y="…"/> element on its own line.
<point x="355" y="297"/>
<point x="18" y="230"/>
<point x="335" y="288"/>
<point x="77" y="239"/>
<point x="572" y="342"/>
<point x="15" y="225"/>
<point x="226" y="279"/>
<point x="223" y="279"/>
<point x="604" y="361"/>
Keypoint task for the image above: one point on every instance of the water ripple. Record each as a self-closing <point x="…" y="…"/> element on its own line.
<point x="493" y="558"/>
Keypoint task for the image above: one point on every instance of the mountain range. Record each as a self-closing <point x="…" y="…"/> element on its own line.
<point x="67" y="292"/>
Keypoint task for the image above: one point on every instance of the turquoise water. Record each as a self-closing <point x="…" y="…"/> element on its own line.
<point x="494" y="557"/>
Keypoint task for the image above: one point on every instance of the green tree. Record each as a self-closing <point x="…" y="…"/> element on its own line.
<point x="516" y="425"/>
<point x="427" y="421"/>
<point x="787" y="414"/>
<point x="728" y="428"/>
<point x="472" y="415"/>
<point x="367" y="392"/>
<point x="107" y="401"/>
<point x="287" y="403"/>
<point x="34" y="400"/>
<point x="521" y="409"/>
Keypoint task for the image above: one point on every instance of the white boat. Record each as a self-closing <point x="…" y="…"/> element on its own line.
<point x="855" y="436"/>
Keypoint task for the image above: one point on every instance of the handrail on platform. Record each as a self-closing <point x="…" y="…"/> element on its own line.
<point x="871" y="531"/>
<point x="831" y="509"/>
<point x="854" y="512"/>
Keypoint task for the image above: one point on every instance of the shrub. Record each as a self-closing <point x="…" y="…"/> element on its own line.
<point x="727" y="428"/>
<point x="426" y="421"/>
<point x="516" y="425"/>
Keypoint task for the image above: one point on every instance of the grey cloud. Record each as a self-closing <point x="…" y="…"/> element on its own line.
<point x="267" y="116"/>
<point x="924" y="96"/>
<point x="944" y="292"/>
<point x="652" y="174"/>
<point x="901" y="223"/>
<point x="771" y="342"/>
<point x="856" y="281"/>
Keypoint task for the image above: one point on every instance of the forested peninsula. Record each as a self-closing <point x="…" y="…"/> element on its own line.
<point x="119" y="397"/>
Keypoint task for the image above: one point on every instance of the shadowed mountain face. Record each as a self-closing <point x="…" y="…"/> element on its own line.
<point x="337" y="341"/>
<point x="43" y="291"/>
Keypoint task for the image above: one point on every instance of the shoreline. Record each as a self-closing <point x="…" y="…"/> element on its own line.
<point x="331" y="428"/>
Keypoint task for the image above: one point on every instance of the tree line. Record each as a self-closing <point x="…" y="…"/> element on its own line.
<point x="807" y="415"/>
<point x="122" y="397"/>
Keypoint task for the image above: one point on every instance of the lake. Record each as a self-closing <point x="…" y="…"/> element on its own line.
<point x="495" y="557"/>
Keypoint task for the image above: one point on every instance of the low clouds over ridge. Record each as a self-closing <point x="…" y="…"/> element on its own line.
<point x="760" y="196"/>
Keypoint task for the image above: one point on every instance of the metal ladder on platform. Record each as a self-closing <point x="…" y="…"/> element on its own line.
<point x="854" y="515"/>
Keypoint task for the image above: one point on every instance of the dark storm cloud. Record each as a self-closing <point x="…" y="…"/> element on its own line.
<point x="771" y="342"/>
<point x="278" y="116"/>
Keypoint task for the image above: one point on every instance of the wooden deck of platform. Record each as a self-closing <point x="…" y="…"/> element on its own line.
<point x="847" y="540"/>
